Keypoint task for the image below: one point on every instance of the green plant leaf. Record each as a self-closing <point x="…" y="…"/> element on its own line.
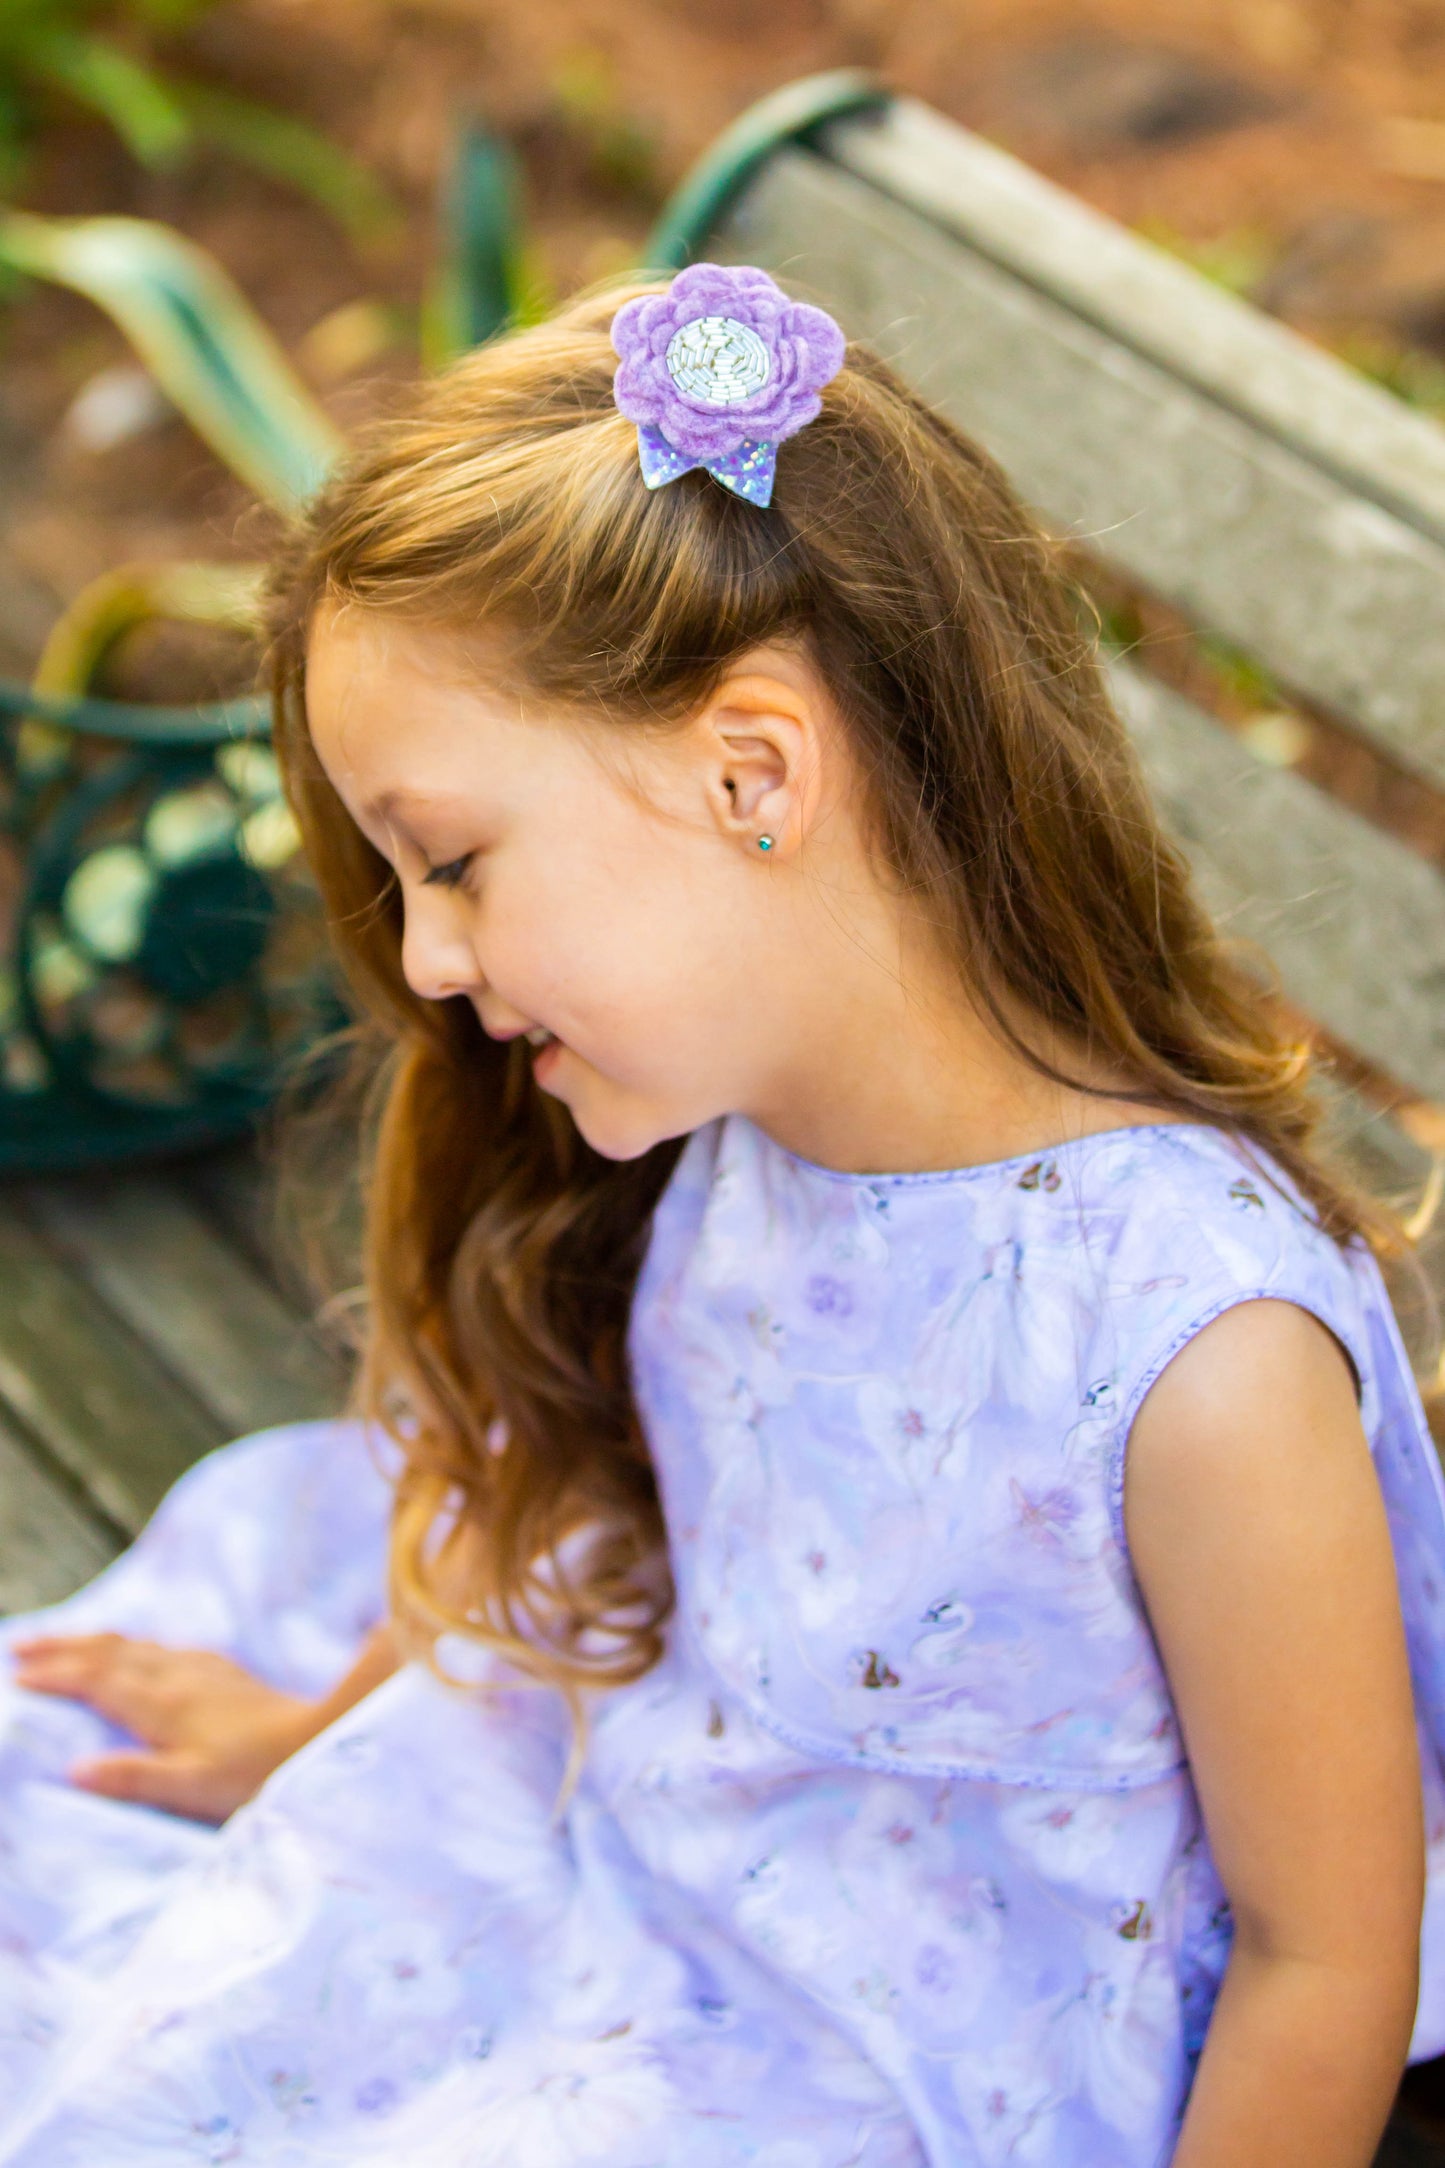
<point x="202" y="341"/>
<point x="288" y="150"/>
<point x="139" y="108"/>
<point x="479" y="278"/>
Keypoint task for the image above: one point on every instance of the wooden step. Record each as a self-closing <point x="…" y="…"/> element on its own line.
<point x="162" y="1268"/>
<point x="50" y="1541"/>
<point x="87" y="1390"/>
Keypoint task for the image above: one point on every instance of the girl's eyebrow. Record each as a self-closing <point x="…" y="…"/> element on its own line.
<point x="397" y="800"/>
<point x="400" y="806"/>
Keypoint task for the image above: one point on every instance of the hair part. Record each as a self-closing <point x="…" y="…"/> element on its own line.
<point x="502" y="1251"/>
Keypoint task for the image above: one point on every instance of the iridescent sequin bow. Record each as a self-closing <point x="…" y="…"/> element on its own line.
<point x="717" y="371"/>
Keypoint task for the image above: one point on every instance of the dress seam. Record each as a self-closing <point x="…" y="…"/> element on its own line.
<point x="1016" y="1775"/>
<point x="920" y="1178"/>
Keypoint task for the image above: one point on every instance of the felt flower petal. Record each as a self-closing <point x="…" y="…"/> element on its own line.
<point x="722" y="361"/>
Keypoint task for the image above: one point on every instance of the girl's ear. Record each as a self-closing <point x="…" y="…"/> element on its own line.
<point x="759" y="739"/>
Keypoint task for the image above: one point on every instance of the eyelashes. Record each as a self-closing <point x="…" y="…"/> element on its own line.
<point x="451" y="875"/>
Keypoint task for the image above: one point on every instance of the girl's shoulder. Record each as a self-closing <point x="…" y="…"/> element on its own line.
<point x="1159" y="1228"/>
<point x="1201" y="1203"/>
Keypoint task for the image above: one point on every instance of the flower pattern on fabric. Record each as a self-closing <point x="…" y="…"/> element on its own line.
<point x="892" y="1861"/>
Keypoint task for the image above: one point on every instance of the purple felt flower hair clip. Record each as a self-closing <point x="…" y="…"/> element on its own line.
<point x="717" y="371"/>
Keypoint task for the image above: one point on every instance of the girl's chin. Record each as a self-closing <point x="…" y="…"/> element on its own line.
<point x="616" y="1123"/>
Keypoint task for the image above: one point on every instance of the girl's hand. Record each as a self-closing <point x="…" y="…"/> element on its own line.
<point x="211" y="1733"/>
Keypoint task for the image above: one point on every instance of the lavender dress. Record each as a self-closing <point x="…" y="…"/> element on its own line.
<point x="893" y="1860"/>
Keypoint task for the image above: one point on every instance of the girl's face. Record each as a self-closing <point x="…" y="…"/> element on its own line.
<point x="597" y="888"/>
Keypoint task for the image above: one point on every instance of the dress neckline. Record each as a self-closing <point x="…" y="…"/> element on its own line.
<point x="919" y="1177"/>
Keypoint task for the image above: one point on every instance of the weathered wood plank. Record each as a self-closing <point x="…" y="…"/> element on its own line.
<point x="170" y="1277"/>
<point x="96" y="1400"/>
<point x="1338" y="595"/>
<point x="1393" y="1167"/>
<point x="49" y="1543"/>
<point x="1354" y="921"/>
<point x="301" y="1233"/>
<point x="1147" y="299"/>
<point x="238" y="1193"/>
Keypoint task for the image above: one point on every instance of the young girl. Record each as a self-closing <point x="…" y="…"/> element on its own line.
<point x="896" y="1438"/>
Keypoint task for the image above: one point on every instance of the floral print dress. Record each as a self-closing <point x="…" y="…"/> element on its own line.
<point x="893" y="1860"/>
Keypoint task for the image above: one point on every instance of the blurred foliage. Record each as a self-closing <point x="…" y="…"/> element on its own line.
<point x="102" y="56"/>
<point x="1414" y="376"/>
<point x="1240" y="677"/>
<point x="485" y="274"/>
<point x="163" y="963"/>
<point x="1241" y="261"/>
<point x="198" y="336"/>
<point x="52" y="46"/>
<point x="621" y="151"/>
<point x="1127" y="621"/>
<point x="1123" y="627"/>
<point x="1238" y="260"/>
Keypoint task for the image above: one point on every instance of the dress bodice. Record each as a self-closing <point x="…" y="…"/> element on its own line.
<point x="890" y="1417"/>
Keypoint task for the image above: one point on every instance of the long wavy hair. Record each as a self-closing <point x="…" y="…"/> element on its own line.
<point x="502" y="1251"/>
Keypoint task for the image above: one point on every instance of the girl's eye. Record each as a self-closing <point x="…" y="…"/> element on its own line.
<point x="450" y="875"/>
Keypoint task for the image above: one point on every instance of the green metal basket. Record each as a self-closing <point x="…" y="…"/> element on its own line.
<point x="165" y="958"/>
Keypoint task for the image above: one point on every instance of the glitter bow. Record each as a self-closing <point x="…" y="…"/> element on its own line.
<point x="717" y="371"/>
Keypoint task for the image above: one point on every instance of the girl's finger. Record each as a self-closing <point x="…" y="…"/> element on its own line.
<point x="71" y="1663"/>
<point x="112" y="1680"/>
<point x="44" y="1645"/>
<point x="60" y="1673"/>
<point x="176" y="1783"/>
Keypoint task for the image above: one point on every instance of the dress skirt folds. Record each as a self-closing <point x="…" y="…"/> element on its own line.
<point x="893" y="1860"/>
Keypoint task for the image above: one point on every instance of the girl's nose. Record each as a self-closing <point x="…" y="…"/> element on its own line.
<point x="437" y="959"/>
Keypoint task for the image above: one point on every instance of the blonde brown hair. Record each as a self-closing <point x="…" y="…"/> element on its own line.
<point x="502" y="1251"/>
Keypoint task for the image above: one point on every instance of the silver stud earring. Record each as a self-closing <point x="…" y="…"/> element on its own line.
<point x="765" y="843"/>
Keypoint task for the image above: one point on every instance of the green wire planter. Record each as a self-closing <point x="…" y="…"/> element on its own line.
<point x="167" y="963"/>
<point x="163" y="963"/>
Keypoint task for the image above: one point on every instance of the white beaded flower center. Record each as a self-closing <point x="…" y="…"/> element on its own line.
<point x="717" y="360"/>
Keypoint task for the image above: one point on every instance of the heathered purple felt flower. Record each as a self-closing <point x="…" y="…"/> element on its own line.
<point x="717" y="371"/>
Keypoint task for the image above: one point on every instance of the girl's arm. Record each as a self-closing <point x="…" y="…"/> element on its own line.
<point x="210" y="1732"/>
<point x="1259" y="1539"/>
